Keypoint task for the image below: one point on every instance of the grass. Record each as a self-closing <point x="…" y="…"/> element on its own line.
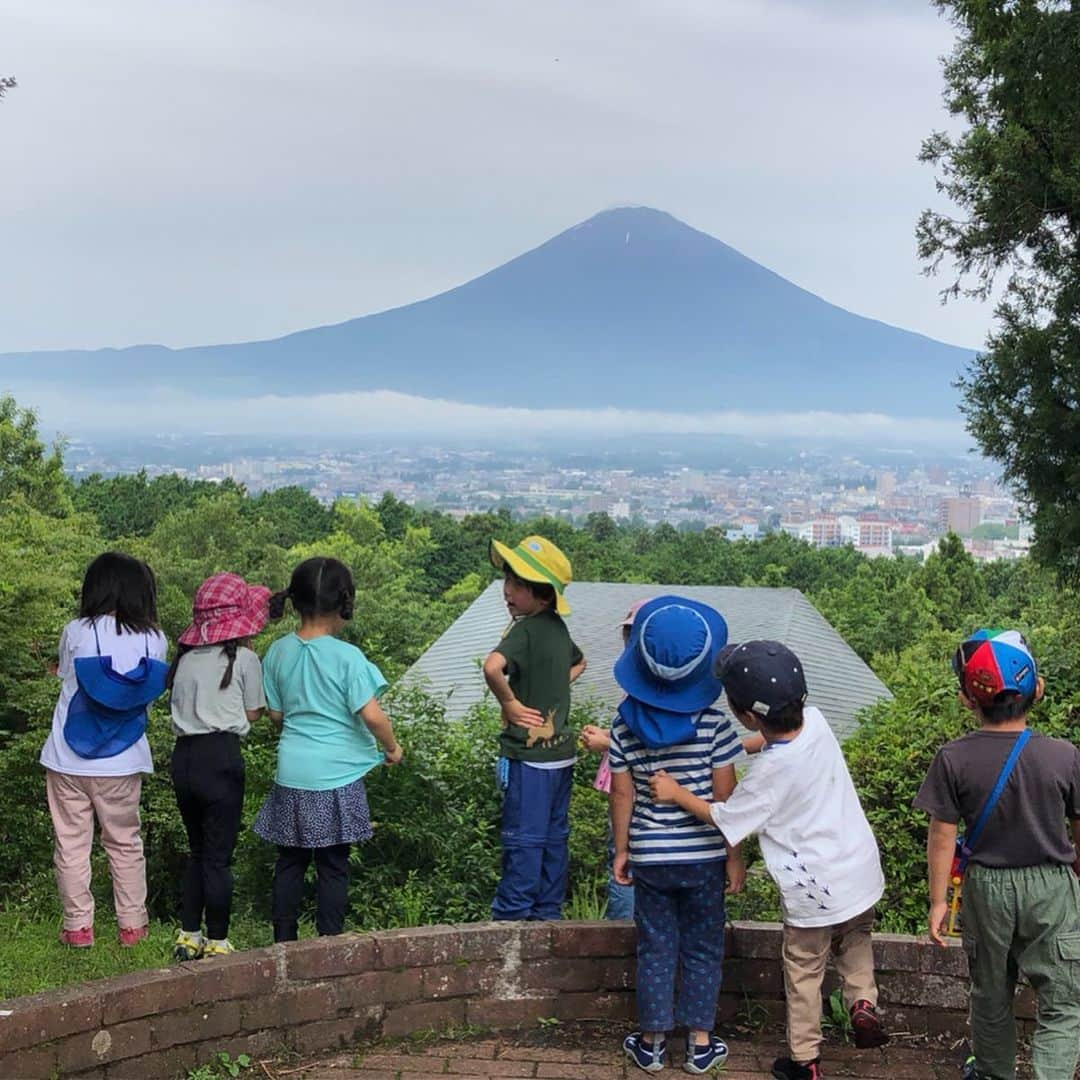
<point x="32" y="958"/>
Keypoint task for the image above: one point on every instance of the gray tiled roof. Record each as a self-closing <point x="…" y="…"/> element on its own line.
<point x="840" y="683"/>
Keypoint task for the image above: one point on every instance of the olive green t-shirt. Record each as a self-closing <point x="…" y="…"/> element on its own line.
<point x="539" y="654"/>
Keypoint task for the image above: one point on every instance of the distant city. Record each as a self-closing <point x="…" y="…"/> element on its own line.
<point x="880" y="501"/>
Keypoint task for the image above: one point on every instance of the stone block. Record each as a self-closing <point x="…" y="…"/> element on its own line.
<point x="420" y="946"/>
<point x="244" y="974"/>
<point x="176" y="1061"/>
<point x="611" y="1005"/>
<point x="32" y="1063"/>
<point x="297" y="1005"/>
<point x="212" y="1020"/>
<point x="144" y="993"/>
<point x="329" y="957"/>
<point x="507" y="1014"/>
<point x="756" y="941"/>
<point x="618" y="974"/>
<point x="563" y="973"/>
<point x="461" y="980"/>
<point x="604" y="937"/>
<point x="327" y="1034"/>
<point x="929" y="991"/>
<point x="52" y="1015"/>
<point x="379" y="987"/>
<point x="898" y="952"/>
<point x="423" y="1016"/>
<point x="92" y="1049"/>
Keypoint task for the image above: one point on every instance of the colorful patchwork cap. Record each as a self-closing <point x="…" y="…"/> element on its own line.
<point x="994" y="662"/>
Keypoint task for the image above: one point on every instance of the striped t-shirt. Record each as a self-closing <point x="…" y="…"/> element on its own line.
<point x="667" y="833"/>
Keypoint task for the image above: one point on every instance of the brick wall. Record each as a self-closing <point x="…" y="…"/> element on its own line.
<point x="325" y="993"/>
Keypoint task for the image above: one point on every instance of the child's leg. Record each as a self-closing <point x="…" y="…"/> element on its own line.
<point x="185" y="777"/>
<point x="805" y="950"/>
<point x="555" y="867"/>
<point x="331" y="888"/>
<point x="853" y="953"/>
<point x="288" y="888"/>
<point x="1049" y="955"/>
<point x="523" y="835"/>
<point x="73" y="822"/>
<point x="701" y="915"/>
<point x="657" y="919"/>
<point x="222" y="808"/>
<point x="116" y="803"/>
<point x="620" y="898"/>
<point x="990" y="916"/>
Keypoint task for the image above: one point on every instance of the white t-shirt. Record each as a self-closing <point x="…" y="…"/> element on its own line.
<point x="817" y="844"/>
<point x="126" y="650"/>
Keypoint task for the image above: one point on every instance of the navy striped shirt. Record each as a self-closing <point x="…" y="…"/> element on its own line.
<point x="669" y="834"/>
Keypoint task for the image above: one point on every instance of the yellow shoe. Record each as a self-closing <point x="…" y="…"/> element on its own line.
<point x="190" y="945"/>
<point x="218" y="948"/>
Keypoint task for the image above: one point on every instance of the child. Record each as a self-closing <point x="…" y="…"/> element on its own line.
<point x="1021" y="897"/>
<point x="118" y="622"/>
<point x="530" y="675"/>
<point x="681" y="869"/>
<point x="815" y="840"/>
<point x="217" y="692"/>
<point x="620" y="902"/>
<point x="325" y="692"/>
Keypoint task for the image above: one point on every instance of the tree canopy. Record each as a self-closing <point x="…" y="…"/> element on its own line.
<point x="1014" y="174"/>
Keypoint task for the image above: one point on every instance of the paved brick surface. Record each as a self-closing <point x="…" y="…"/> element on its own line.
<point x="591" y="1052"/>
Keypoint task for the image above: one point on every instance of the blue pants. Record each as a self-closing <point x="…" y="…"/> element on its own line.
<point x="620" y="898"/>
<point x="679" y="911"/>
<point x="535" y="853"/>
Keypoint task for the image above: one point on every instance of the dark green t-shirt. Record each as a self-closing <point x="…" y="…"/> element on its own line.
<point x="539" y="654"/>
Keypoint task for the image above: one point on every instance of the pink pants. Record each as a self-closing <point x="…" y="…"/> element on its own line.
<point x="74" y="802"/>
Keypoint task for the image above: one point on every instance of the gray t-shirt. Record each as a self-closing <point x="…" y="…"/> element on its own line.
<point x="1027" y="826"/>
<point x="198" y="704"/>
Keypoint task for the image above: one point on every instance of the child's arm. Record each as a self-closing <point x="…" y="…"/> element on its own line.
<point x="753" y="744"/>
<point x="514" y="712"/>
<point x="378" y="723"/>
<point x="665" y="789"/>
<point x="621" y="802"/>
<point x="577" y="670"/>
<point x="940" y="848"/>
<point x="1074" y="824"/>
<point x="723" y="785"/>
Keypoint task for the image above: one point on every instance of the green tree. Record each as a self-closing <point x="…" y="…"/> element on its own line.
<point x="1014" y="173"/>
<point x="27" y="468"/>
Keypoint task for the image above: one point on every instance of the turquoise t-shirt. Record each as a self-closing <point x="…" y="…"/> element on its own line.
<point x="320" y="685"/>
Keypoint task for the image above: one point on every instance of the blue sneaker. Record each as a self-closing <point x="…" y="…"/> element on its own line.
<point x="703" y="1059"/>
<point x="642" y="1054"/>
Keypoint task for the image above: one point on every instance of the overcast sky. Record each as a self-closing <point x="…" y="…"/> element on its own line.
<point x="213" y="171"/>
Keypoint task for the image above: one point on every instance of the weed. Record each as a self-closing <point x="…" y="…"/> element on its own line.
<point x="835" y="1016"/>
<point x="223" y="1065"/>
<point x="753" y="1015"/>
<point x="548" y="1022"/>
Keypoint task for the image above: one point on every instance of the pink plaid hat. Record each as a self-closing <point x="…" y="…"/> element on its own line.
<point x="226" y="607"/>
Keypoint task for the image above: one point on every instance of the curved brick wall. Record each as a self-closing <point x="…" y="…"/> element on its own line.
<point x="325" y="993"/>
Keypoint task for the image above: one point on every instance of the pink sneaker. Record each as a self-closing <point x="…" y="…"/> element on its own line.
<point x="78" y="939"/>
<point x="132" y="935"/>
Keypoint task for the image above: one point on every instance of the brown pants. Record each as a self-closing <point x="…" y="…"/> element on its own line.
<point x="805" y="951"/>
<point x="74" y="802"/>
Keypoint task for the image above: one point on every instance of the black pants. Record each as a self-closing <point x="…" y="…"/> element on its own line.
<point x="208" y="777"/>
<point x="331" y="889"/>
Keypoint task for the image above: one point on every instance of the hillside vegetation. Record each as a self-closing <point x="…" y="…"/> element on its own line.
<point x="434" y="856"/>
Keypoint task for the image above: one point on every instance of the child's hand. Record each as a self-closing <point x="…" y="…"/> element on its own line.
<point x="594" y="739"/>
<point x="937" y="920"/>
<point x="515" y="713"/>
<point x="620" y="869"/>
<point x="664" y="789"/>
<point x="394" y="756"/>
<point x="736" y="874"/>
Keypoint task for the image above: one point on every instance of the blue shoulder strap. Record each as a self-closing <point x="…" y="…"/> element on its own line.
<point x="999" y="787"/>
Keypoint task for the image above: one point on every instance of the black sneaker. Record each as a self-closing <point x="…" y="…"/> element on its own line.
<point x="968" y="1071"/>
<point x="786" y="1069"/>
<point x="867" y="1026"/>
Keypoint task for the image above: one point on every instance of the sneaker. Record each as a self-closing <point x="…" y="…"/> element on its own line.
<point x="968" y="1071"/>
<point x="218" y="948"/>
<point x="132" y="935"/>
<point x="867" y="1026"/>
<point x="703" y="1059"/>
<point x="786" y="1069"/>
<point x="190" y="945"/>
<point x="78" y="939"/>
<point x="649" y="1057"/>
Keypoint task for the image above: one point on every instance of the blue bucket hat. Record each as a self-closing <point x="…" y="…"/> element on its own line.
<point x="668" y="662"/>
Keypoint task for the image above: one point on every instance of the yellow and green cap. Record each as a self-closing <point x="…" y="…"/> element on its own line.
<point x="536" y="559"/>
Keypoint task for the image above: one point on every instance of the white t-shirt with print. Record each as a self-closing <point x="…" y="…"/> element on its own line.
<point x="815" y="839"/>
<point x="126" y="650"/>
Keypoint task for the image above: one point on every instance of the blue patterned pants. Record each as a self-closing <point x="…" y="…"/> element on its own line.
<point x="680" y="916"/>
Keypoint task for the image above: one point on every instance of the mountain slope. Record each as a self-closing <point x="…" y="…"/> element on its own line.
<point x="630" y="309"/>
